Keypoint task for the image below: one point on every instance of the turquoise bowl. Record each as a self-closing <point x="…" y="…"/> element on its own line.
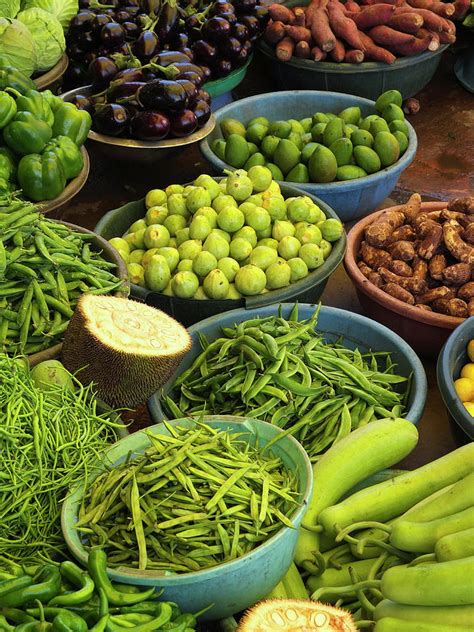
<point x="232" y="586"/>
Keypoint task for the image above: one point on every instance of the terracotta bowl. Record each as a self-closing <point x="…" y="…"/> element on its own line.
<point x="425" y="331"/>
<point x="50" y="78"/>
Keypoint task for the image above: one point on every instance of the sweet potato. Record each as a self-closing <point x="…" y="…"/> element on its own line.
<point x="401" y="268"/>
<point x="371" y="2"/>
<point x="398" y="292"/>
<point x="420" y="45"/>
<point x="431" y="21"/>
<point x="378" y="233"/>
<point x="318" y="21"/>
<point x="457" y="274"/>
<point x="445" y="9"/>
<point x="434" y="38"/>
<point x="373" y="15"/>
<point x="338" y="52"/>
<point x="403" y="250"/>
<point x="302" y="50"/>
<point x="352" y="6"/>
<point x="447" y="38"/>
<point x="420" y="4"/>
<point x="458" y="308"/>
<point x="374" y="257"/>
<point x="300" y="17"/>
<point x="460" y="250"/>
<point x="354" y="56"/>
<point x="280" y="13"/>
<point x="406" y="22"/>
<point x="436" y="266"/>
<point x="285" y="49"/>
<point x="461" y="7"/>
<point x="386" y="36"/>
<point x="343" y="27"/>
<point x="317" y="54"/>
<point x="298" y="33"/>
<point x="374" y="52"/>
<point x="274" y="32"/>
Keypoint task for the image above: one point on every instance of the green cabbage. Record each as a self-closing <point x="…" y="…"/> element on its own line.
<point x="48" y="35"/>
<point x="63" y="10"/>
<point x="17" y="45"/>
<point x="9" y="8"/>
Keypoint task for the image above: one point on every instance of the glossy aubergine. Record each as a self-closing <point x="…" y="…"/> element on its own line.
<point x="162" y="94"/>
<point x="125" y="89"/>
<point x="202" y="110"/>
<point x="112" y="35"/>
<point x="167" y="22"/>
<point x="205" y="51"/>
<point x="168" y="57"/>
<point x="216" y="29"/>
<point x="111" y="119"/>
<point x="150" y="125"/>
<point x="152" y="7"/>
<point x="146" y="46"/>
<point x="130" y="74"/>
<point x="101" y="71"/>
<point x="183" y="123"/>
<point x="83" y="103"/>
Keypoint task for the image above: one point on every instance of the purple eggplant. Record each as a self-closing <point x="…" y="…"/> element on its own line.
<point x="163" y="95"/>
<point x="190" y="88"/>
<point x="207" y="72"/>
<point x="167" y="22"/>
<point x="202" y="110"/>
<point x="187" y="67"/>
<point x="184" y="123"/>
<point x="261" y="13"/>
<point x="244" y="6"/>
<point x="230" y="48"/>
<point x="83" y="103"/>
<point x="240" y="31"/>
<point x="99" y="21"/>
<point x="111" y="119"/>
<point x="192" y="76"/>
<point x="230" y="17"/>
<point x="130" y="74"/>
<point x="150" y="125"/>
<point x="216" y="29"/>
<point x="146" y="46"/>
<point x="125" y="89"/>
<point x="247" y="45"/>
<point x="202" y="95"/>
<point x="166" y="58"/>
<point x="112" y="35"/>
<point x="223" y="67"/>
<point x="180" y="40"/>
<point x="101" y="71"/>
<point x="205" y="51"/>
<point x="82" y="22"/>
<point x="151" y="7"/>
<point x="132" y="30"/>
<point x="242" y="57"/>
<point x="222" y="6"/>
<point x="252" y="23"/>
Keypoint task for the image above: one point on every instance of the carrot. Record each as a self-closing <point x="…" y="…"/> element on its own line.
<point x="280" y="13"/>
<point x="406" y="22"/>
<point x="445" y="9"/>
<point x="374" y="52"/>
<point x="302" y="50"/>
<point x="354" y="56"/>
<point x="274" y="32"/>
<point x="317" y="54"/>
<point x="345" y="28"/>
<point x="447" y="38"/>
<point x="352" y="6"/>
<point x="300" y="17"/>
<point x="338" y="52"/>
<point x="319" y="25"/>
<point x="461" y="7"/>
<point x="373" y="15"/>
<point x="420" y="4"/>
<point x="431" y="21"/>
<point x="435" y="43"/>
<point x="285" y="48"/>
<point x="389" y="37"/>
<point x="298" y="33"/>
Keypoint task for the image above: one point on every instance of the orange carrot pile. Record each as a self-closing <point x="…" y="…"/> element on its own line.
<point x="366" y="30"/>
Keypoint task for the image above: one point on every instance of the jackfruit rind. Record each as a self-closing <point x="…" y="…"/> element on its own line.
<point x="127" y="348"/>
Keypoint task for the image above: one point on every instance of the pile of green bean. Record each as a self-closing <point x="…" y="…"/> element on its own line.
<point x="282" y="371"/>
<point x="44" y="268"/>
<point x="196" y="498"/>
<point x="48" y="440"/>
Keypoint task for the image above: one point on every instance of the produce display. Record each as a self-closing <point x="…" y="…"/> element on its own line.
<point x="236" y="500"/>
<point x="142" y="342"/>
<point x="354" y="32"/>
<point x="227" y="238"/>
<point x="32" y="33"/>
<point x="219" y="36"/>
<point x="44" y="268"/>
<point x="66" y="597"/>
<point x="398" y="552"/>
<point x="321" y="148"/>
<point x="464" y="385"/>
<point x="51" y="432"/>
<point x="317" y="391"/>
<point x="425" y="259"/>
<point x="149" y="102"/>
<point x="41" y="140"/>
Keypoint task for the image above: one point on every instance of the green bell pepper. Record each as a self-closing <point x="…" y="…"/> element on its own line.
<point x="53" y="101"/>
<point x="41" y="177"/>
<point x="8" y="109"/>
<point x="69" y="622"/>
<point x="68" y="153"/>
<point x="25" y="134"/>
<point x="10" y="77"/>
<point x="69" y="121"/>
<point x="33" y="101"/>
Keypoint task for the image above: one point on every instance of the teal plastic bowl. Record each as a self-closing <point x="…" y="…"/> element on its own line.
<point x="355" y="330"/>
<point x="232" y="586"/>
<point x="452" y="358"/>
<point x="350" y="199"/>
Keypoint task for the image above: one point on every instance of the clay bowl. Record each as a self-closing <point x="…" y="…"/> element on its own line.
<point x="425" y="331"/>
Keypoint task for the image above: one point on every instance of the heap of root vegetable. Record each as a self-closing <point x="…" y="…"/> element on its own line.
<point x="370" y="31"/>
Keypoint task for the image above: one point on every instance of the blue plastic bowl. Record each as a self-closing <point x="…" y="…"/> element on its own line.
<point x="232" y="586"/>
<point x="452" y="358"/>
<point x="350" y="199"/>
<point x="356" y="331"/>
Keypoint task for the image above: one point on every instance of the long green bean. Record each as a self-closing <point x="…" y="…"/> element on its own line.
<point x="292" y="377"/>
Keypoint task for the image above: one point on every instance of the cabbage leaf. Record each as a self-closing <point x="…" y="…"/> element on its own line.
<point x="63" y="10"/>
<point x="17" y="45"/>
<point x="48" y="35"/>
<point x="9" y="8"/>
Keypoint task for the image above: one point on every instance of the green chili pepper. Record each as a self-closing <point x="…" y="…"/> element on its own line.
<point x="41" y="177"/>
<point x="69" y="121"/>
<point x="101" y="624"/>
<point x="47" y="583"/>
<point x="155" y="624"/>
<point x="69" y="622"/>
<point x="78" y="578"/>
<point x="16" y="615"/>
<point x="34" y="626"/>
<point x="68" y="153"/>
<point x="12" y="586"/>
<point x="25" y="134"/>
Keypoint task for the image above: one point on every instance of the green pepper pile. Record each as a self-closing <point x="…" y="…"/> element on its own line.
<point x="66" y="598"/>
<point x="41" y="137"/>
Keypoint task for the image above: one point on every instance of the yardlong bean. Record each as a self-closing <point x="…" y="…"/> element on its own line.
<point x="317" y="390"/>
